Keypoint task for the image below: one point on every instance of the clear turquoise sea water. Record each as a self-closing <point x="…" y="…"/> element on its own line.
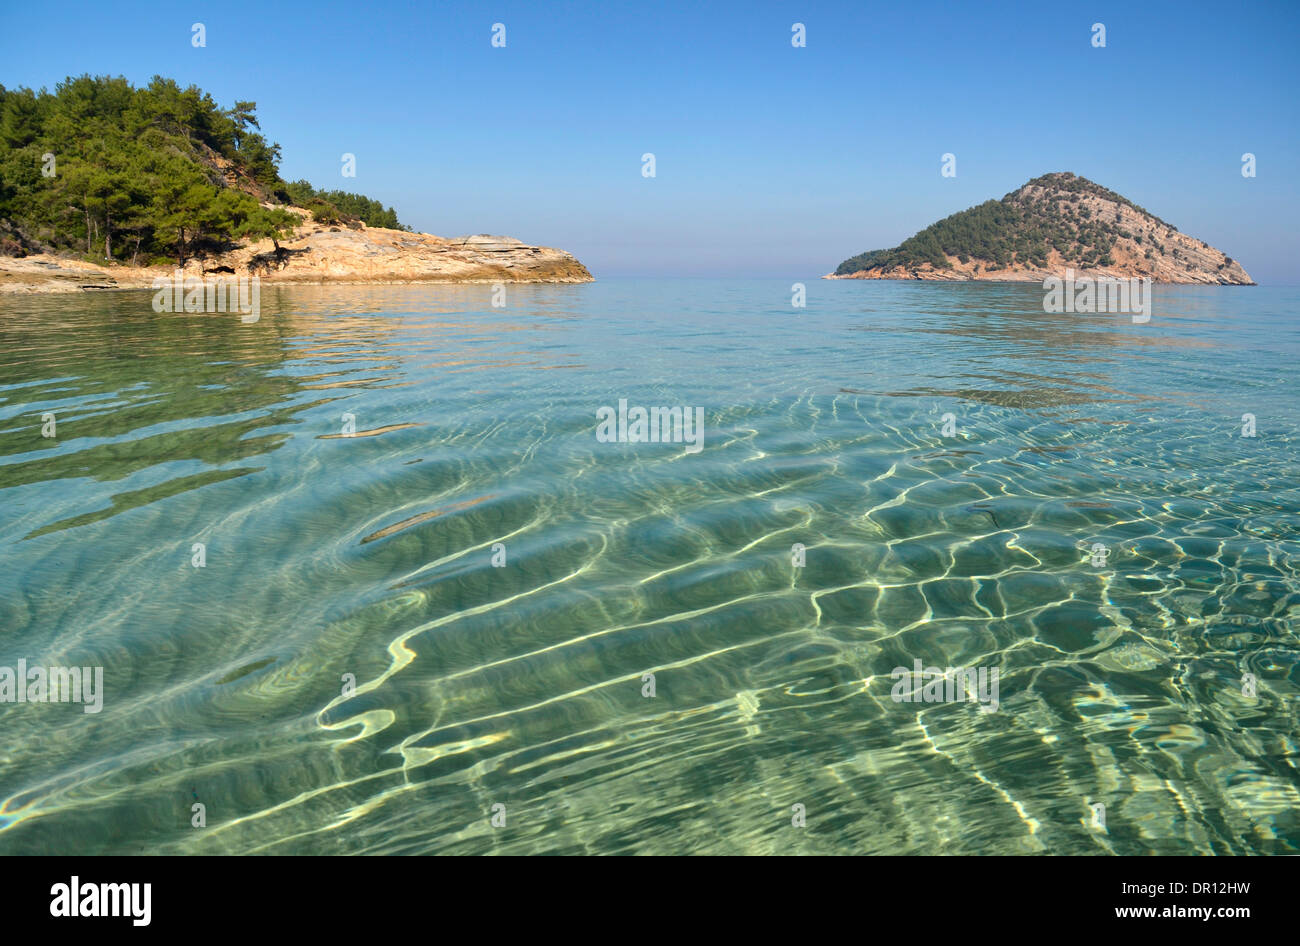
<point x="370" y="557"/>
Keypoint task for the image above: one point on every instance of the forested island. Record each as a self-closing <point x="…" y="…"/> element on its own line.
<point x="1050" y="224"/>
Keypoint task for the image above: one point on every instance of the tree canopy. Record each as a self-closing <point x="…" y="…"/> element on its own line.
<point x="147" y="174"/>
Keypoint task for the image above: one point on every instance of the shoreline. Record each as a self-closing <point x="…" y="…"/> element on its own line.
<point x="1035" y="278"/>
<point x="61" y="287"/>
<point x="319" y="256"/>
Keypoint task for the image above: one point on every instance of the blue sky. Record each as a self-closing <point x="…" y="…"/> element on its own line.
<point x="771" y="160"/>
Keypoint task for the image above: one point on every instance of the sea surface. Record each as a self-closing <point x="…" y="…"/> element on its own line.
<point x="461" y="622"/>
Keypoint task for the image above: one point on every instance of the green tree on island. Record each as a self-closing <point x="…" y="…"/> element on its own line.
<point x="144" y="175"/>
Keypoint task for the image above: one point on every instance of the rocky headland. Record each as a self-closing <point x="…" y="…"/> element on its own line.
<point x="316" y="254"/>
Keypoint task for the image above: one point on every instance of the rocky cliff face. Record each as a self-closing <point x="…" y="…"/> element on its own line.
<point x="1051" y="224"/>
<point x="323" y="254"/>
<point x="372" y="254"/>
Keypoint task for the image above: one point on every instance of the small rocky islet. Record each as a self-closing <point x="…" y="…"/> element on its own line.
<point x="1052" y="226"/>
